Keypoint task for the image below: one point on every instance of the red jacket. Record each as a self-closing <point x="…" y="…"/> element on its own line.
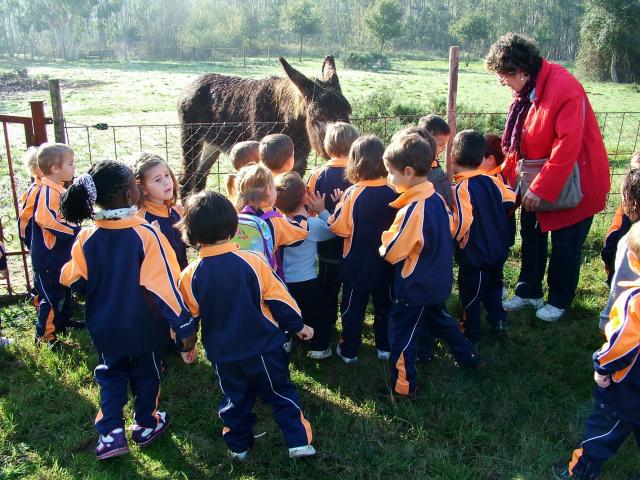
<point x="562" y="127"/>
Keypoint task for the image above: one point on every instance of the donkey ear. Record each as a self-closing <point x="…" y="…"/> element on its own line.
<point x="304" y="85"/>
<point x="329" y="74"/>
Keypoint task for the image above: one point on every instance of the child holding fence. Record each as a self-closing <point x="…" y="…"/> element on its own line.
<point x="360" y="218"/>
<point x="244" y="309"/>
<point x="128" y="273"/>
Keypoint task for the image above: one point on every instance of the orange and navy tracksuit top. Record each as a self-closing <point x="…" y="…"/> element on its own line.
<point x="51" y="236"/>
<point x="360" y="217"/>
<point x="167" y="216"/>
<point x="618" y="356"/>
<point x="619" y="227"/>
<point x="419" y="246"/>
<point x="244" y="308"/>
<point x="25" y="216"/>
<point x="481" y="224"/>
<point x="128" y="273"/>
<point x="326" y="179"/>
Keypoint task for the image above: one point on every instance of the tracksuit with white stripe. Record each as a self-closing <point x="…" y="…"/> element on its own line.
<point x="616" y="413"/>
<point x="128" y="273"/>
<point x="244" y="311"/>
<point x="419" y="247"/>
<point x="482" y="234"/>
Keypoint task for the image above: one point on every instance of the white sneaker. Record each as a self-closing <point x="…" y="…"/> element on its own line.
<point x="347" y="360"/>
<point x="5" y="341"/>
<point x="299" y="452"/>
<point x="518" y="303"/>
<point x="383" y="354"/>
<point x="288" y="346"/>
<point x="549" y="313"/>
<point x="239" y="457"/>
<point x="319" y="354"/>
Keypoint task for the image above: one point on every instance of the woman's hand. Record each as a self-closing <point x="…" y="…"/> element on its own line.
<point x="531" y="201"/>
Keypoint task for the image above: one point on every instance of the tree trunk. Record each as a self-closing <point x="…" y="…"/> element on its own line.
<point x="300" y="52"/>
<point x="466" y="64"/>
<point x="614" y="64"/>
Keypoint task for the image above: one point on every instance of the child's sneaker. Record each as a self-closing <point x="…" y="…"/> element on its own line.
<point x="112" y="445"/>
<point x="300" y="452"/>
<point x="319" y="354"/>
<point x="239" y="456"/>
<point x="549" y="313"/>
<point x="143" y="436"/>
<point x="383" y="354"/>
<point x="518" y="303"/>
<point x="5" y="341"/>
<point x="347" y="360"/>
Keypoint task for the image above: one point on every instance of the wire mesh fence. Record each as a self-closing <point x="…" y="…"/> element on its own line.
<point x="91" y="143"/>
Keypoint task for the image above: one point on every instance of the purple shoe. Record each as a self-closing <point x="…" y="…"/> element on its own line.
<point x="143" y="436"/>
<point x="112" y="445"/>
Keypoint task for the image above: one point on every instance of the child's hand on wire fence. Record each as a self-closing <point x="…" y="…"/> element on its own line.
<point x="306" y="333"/>
<point x="603" y="381"/>
<point x="315" y="202"/>
<point x="337" y="195"/>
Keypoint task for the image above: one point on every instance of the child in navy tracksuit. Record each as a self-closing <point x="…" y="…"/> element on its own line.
<point x="159" y="192"/>
<point x="419" y="247"/>
<point x="244" y="310"/>
<point x="299" y="259"/>
<point x="51" y="239"/>
<point x="360" y="218"/>
<point x="482" y="234"/>
<point x="326" y="180"/>
<point x="128" y="273"/>
<point x="616" y="414"/>
<point x="28" y="199"/>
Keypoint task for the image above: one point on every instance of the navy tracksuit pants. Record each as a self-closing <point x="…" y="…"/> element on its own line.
<point x="353" y="307"/>
<point x="54" y="309"/>
<point x="115" y="374"/>
<point x="316" y="311"/>
<point x="564" y="262"/>
<point x="604" y="434"/>
<point x="329" y="276"/>
<point x="404" y="324"/>
<point x="480" y="288"/>
<point x="266" y="376"/>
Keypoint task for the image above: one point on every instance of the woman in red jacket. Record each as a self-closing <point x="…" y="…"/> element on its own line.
<point x="550" y="118"/>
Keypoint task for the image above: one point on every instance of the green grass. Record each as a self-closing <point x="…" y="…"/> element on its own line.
<point x="512" y="420"/>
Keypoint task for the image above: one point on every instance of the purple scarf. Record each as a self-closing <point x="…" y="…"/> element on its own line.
<point x="515" y="120"/>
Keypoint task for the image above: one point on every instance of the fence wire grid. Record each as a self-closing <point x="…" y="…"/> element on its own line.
<point x="91" y="143"/>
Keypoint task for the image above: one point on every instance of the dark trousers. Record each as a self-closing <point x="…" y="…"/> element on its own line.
<point x="115" y="374"/>
<point x="604" y="434"/>
<point x="353" y="307"/>
<point x="316" y="312"/>
<point x="480" y="288"/>
<point x="564" y="262"/>
<point x="54" y="309"/>
<point x="404" y="323"/>
<point x="266" y="376"/>
<point x="329" y="276"/>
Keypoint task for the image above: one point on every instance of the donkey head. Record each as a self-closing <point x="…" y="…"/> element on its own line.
<point x="325" y="102"/>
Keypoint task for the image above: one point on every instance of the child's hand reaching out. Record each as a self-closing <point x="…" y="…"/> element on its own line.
<point x="306" y="333"/>
<point x="315" y="202"/>
<point x="603" y="381"/>
<point x="337" y="195"/>
<point x="189" y="357"/>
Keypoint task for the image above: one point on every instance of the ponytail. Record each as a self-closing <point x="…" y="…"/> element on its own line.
<point x="77" y="202"/>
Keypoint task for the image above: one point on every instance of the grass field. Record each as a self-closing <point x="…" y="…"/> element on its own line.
<point x="512" y="420"/>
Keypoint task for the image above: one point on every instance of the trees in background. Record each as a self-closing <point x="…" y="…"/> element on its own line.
<point x="606" y="30"/>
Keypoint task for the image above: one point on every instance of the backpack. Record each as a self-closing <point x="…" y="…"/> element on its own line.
<point x="254" y="234"/>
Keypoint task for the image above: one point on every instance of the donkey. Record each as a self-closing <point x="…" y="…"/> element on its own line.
<point x="217" y="111"/>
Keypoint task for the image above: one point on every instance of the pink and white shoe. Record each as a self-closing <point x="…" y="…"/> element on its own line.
<point x="112" y="445"/>
<point x="143" y="436"/>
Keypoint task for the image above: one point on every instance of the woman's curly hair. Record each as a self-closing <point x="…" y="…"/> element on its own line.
<point x="513" y="52"/>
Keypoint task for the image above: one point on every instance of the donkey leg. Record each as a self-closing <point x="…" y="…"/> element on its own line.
<point x="210" y="154"/>
<point x="300" y="160"/>
<point x="192" y="140"/>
